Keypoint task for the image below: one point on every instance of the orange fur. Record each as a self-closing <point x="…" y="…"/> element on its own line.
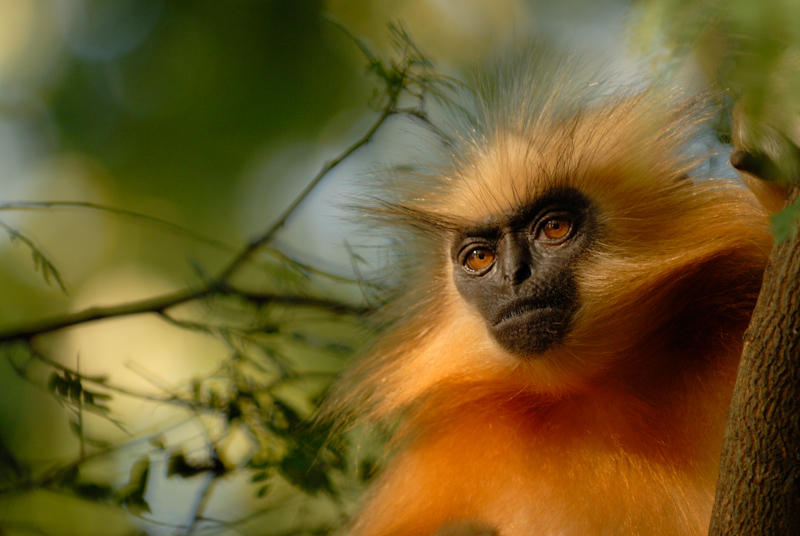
<point x="616" y="430"/>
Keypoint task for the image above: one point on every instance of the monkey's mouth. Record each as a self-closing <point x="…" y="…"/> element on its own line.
<point x="520" y="309"/>
<point x="530" y="326"/>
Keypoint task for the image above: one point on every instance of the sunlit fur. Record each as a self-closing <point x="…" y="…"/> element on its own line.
<point x="616" y="430"/>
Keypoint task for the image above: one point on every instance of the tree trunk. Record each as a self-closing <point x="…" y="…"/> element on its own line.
<point x="758" y="493"/>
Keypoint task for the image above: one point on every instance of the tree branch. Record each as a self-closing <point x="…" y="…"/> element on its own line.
<point x="396" y="78"/>
<point x="758" y="492"/>
<point x="92" y="314"/>
<point x="262" y="240"/>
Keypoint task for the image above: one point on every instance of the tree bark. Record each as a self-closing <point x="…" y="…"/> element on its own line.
<point x="758" y="493"/>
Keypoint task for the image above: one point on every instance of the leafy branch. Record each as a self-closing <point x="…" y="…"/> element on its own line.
<point x="85" y="205"/>
<point x="40" y="260"/>
<point x="411" y="75"/>
<point x="247" y="391"/>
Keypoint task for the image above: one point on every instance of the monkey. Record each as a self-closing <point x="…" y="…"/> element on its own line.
<point x="576" y="285"/>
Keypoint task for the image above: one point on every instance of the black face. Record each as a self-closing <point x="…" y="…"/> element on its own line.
<point x="518" y="271"/>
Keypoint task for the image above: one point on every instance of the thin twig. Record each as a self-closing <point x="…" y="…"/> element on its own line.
<point x="262" y="240"/>
<point x="151" y="305"/>
<point x="332" y="306"/>
<point x="161" y="303"/>
<point x="396" y="80"/>
<point x="44" y="205"/>
<point x="196" y="516"/>
<point x="40" y="260"/>
<point x="103" y="382"/>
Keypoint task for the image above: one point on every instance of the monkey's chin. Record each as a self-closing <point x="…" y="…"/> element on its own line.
<point x="531" y="332"/>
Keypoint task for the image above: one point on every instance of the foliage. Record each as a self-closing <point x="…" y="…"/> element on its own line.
<point x="750" y="51"/>
<point x="265" y="390"/>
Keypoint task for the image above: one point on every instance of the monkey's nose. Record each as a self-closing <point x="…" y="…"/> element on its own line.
<point x="516" y="261"/>
<point x="519" y="275"/>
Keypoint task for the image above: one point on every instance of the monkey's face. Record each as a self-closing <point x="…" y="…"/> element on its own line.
<point x="518" y="270"/>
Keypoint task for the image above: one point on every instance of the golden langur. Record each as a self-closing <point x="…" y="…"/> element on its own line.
<point x="563" y="352"/>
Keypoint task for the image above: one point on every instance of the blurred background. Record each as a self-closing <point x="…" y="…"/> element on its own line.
<point x="145" y="143"/>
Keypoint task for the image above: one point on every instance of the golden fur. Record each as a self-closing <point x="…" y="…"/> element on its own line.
<point x="617" y="429"/>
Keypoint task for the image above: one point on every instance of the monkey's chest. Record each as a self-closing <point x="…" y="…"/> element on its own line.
<point x="550" y="480"/>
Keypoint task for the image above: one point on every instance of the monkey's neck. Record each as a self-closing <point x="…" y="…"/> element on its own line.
<point x="672" y="385"/>
<point x="666" y="402"/>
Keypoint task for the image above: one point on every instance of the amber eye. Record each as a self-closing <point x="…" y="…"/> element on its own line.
<point x="554" y="229"/>
<point x="479" y="259"/>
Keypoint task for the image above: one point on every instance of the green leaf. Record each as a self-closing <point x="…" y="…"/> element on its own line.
<point x="131" y="496"/>
<point x="260" y="477"/>
<point x="785" y="223"/>
<point x="53" y="382"/>
<point x="159" y="441"/>
<point x="90" y="398"/>
<point x="75" y="390"/>
<point x="76" y="428"/>
<point x="62" y="386"/>
<point x="233" y="411"/>
<point x="11" y="469"/>
<point x="66" y="476"/>
<point x="40" y="261"/>
<point x="178" y="465"/>
<point x="301" y="468"/>
<point x="99" y="443"/>
<point x="136" y="505"/>
<point x="94" y="492"/>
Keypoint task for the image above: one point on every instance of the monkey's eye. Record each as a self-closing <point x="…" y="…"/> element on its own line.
<point x="479" y="259"/>
<point x="554" y="230"/>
